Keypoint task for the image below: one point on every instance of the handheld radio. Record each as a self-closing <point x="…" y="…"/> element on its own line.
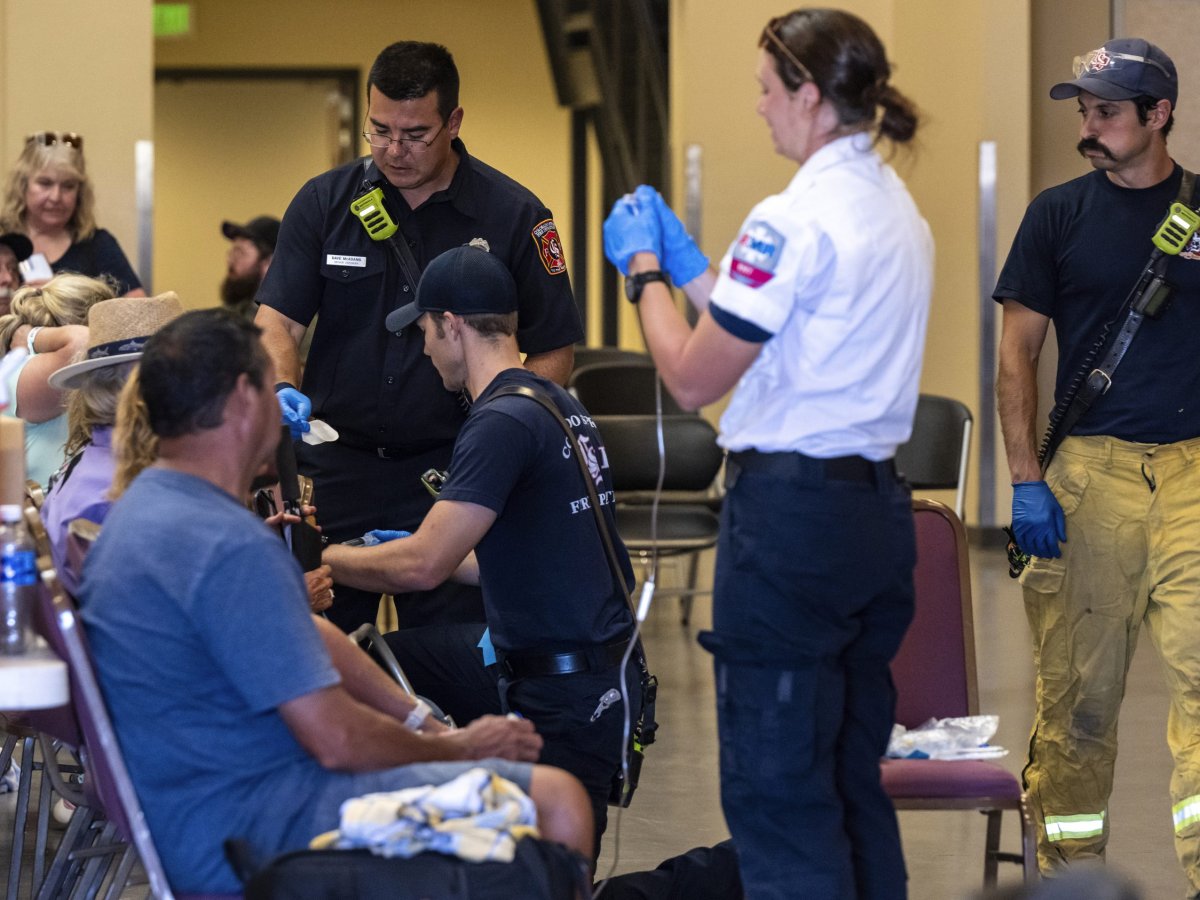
<point x="1176" y="229"/>
<point x="370" y="211"/>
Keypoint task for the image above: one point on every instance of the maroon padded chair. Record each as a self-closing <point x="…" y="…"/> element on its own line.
<point x="935" y="678"/>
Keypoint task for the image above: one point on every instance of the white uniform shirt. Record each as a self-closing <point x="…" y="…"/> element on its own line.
<point x="836" y="273"/>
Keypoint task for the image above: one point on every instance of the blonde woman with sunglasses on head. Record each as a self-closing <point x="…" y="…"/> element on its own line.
<point x="50" y="199"/>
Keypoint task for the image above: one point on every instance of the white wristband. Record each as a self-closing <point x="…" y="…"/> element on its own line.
<point x="417" y="715"/>
<point x="31" y="339"/>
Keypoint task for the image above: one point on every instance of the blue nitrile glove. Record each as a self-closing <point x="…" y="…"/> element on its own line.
<point x="296" y="408"/>
<point x="630" y="229"/>
<point x="382" y="536"/>
<point x="681" y="258"/>
<point x="1037" y="519"/>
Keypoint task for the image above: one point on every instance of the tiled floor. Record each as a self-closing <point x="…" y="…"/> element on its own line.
<point x="677" y="805"/>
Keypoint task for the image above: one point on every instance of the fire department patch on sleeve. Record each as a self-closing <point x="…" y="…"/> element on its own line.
<point x="549" y="247"/>
<point x="756" y="254"/>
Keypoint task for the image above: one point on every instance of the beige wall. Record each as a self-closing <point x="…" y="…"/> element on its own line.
<point x="66" y="65"/>
<point x="965" y="65"/>
<point x="512" y="120"/>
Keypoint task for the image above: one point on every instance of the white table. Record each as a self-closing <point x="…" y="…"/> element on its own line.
<point x="36" y="679"/>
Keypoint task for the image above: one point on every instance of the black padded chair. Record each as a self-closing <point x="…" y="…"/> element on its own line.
<point x="935" y="457"/>
<point x="620" y="387"/>
<point x="684" y="522"/>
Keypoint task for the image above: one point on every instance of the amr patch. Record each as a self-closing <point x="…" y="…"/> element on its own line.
<point x="1192" y="250"/>
<point x="549" y="247"/>
<point x="756" y="254"/>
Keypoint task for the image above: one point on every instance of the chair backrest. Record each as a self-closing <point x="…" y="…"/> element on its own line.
<point x="691" y="452"/>
<point x="586" y="356"/>
<point x="935" y="457"/>
<point x="107" y="778"/>
<point x="620" y="387"/>
<point x="934" y="671"/>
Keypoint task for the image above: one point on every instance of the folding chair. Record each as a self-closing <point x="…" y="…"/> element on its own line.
<point x="108" y="788"/>
<point x="685" y="523"/>
<point x="935" y="677"/>
<point x="935" y="457"/>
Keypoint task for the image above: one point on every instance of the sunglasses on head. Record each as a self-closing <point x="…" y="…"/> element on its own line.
<point x="49" y="138"/>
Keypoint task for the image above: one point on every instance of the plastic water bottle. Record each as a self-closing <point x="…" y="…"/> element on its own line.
<point x="18" y="582"/>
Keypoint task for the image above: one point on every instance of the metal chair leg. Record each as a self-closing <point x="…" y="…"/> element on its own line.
<point x="991" y="847"/>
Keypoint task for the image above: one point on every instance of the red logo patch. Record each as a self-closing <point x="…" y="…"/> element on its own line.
<point x="549" y="247"/>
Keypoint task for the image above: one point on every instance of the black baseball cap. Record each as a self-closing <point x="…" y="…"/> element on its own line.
<point x="20" y="245"/>
<point x="263" y="231"/>
<point x="1122" y="69"/>
<point x="465" y="281"/>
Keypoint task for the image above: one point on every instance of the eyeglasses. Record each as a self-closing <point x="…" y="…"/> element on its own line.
<point x="413" y="145"/>
<point x="1100" y="59"/>
<point x="775" y="39"/>
<point x="49" y="138"/>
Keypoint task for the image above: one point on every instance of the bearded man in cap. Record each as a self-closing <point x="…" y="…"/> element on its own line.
<point x="250" y="251"/>
<point x="1109" y="520"/>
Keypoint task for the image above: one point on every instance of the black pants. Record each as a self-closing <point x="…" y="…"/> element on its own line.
<point x="563" y="709"/>
<point x="445" y="665"/>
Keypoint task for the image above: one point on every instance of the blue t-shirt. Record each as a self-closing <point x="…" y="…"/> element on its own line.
<point x="200" y="628"/>
<point x="1076" y="257"/>
<point x="547" y="583"/>
<point x="99" y="255"/>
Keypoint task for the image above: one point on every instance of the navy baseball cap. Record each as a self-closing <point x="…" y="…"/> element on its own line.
<point x="20" y="245"/>
<point x="465" y="281"/>
<point x="1122" y="69"/>
<point x="262" y="231"/>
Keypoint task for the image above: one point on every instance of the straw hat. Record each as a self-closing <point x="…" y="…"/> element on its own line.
<point x="117" y="333"/>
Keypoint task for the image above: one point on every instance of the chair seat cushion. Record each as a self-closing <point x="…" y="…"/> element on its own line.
<point x="927" y="778"/>
<point x="680" y="528"/>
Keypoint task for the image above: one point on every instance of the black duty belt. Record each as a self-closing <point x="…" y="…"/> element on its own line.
<point x="590" y="659"/>
<point x="799" y="465"/>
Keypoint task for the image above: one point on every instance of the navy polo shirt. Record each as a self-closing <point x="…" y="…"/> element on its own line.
<point x="375" y="387"/>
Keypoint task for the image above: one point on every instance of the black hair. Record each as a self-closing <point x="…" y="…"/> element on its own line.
<point x="1144" y="104"/>
<point x="846" y="60"/>
<point x="408" y="70"/>
<point x="191" y="365"/>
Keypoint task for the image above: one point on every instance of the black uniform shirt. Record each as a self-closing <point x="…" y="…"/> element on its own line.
<point x="374" y="387"/>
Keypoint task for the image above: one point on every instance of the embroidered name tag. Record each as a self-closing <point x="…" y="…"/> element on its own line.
<point x="337" y="259"/>
<point x="756" y="254"/>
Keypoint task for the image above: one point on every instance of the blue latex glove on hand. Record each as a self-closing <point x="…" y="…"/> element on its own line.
<point x="681" y="258"/>
<point x="296" y="408"/>
<point x="1037" y="519"/>
<point x="630" y="229"/>
<point x="382" y="536"/>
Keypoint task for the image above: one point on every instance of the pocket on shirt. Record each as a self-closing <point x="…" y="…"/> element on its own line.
<point x="352" y="286"/>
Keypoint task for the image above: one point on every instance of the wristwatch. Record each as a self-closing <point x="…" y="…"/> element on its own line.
<point x="635" y="283"/>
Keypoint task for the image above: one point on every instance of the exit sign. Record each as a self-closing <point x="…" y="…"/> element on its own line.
<point x="172" y="19"/>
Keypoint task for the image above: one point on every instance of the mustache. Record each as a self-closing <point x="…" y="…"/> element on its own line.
<point x="1092" y="144"/>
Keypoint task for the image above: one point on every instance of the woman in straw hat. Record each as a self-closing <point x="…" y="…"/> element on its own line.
<point x="49" y="323"/>
<point x="117" y="331"/>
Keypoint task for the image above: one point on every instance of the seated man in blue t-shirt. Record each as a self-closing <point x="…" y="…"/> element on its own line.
<point x="240" y="714"/>
<point x="558" y="616"/>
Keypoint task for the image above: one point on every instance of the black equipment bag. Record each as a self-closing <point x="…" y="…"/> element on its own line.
<point x="541" y="870"/>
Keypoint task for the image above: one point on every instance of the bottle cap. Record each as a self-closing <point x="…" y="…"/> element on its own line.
<point x="10" y="512"/>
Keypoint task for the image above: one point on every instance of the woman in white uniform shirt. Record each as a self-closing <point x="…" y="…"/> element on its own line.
<point x="817" y="322"/>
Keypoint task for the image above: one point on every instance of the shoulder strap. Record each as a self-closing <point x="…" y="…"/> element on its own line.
<point x="519" y="390"/>
<point x="1148" y="298"/>
<point x="409" y="269"/>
